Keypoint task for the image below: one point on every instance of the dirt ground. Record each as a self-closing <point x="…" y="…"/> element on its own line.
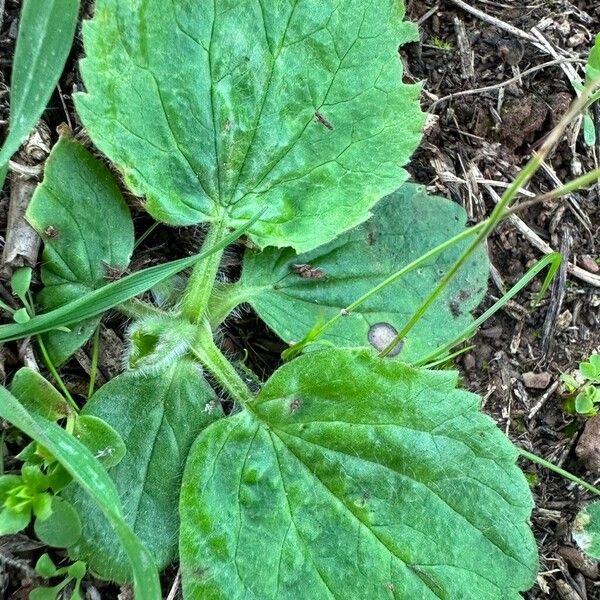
<point x="476" y="141"/>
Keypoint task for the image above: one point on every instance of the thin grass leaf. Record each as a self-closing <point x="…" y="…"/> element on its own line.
<point x="553" y="260"/>
<point x="45" y="37"/>
<point x="111" y="295"/>
<point x="89" y="473"/>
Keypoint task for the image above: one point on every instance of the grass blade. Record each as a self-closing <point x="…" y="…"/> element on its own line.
<point x="111" y="295"/>
<point x="553" y="260"/>
<point x="46" y="31"/>
<point x="91" y="476"/>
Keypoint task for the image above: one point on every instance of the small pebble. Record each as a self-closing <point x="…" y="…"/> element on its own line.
<point x="537" y="381"/>
<point x="589" y="264"/>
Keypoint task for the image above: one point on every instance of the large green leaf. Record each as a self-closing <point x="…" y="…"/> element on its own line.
<point x="216" y="110"/>
<point x="405" y="225"/>
<point x="92" y="477"/>
<point x="87" y="230"/>
<point x="158" y="417"/>
<point x="46" y="32"/>
<point x="356" y="477"/>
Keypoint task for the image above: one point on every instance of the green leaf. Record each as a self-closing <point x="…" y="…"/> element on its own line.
<point x="592" y="71"/>
<point x="584" y="401"/>
<point x="91" y="476"/>
<point x="77" y="570"/>
<point x="87" y="230"/>
<point x="38" y="395"/>
<point x="21" y="316"/>
<point x="355" y="477"/>
<point x="48" y="593"/>
<point x="45" y="567"/>
<point x="589" y="129"/>
<point x="104" y="442"/>
<point x="46" y="29"/>
<point x="62" y="528"/>
<point x="298" y="107"/>
<point x="586" y="530"/>
<point x="20" y="283"/>
<point x="404" y="226"/>
<point x="12" y="521"/>
<point x="158" y="417"/>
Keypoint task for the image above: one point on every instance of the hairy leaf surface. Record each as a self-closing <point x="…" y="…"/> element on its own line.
<point x="356" y="477"/>
<point x="405" y="225"/>
<point x="216" y="110"/>
<point x="87" y="230"/>
<point x="158" y="416"/>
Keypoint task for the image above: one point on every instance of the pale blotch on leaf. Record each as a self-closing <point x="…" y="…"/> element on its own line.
<point x="381" y="335"/>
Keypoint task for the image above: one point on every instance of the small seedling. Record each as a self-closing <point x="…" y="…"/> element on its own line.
<point x="73" y="574"/>
<point x="583" y="389"/>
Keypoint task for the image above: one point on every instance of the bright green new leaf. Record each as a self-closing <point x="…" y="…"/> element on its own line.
<point x="46" y="30"/>
<point x="293" y="292"/>
<point x="92" y="477"/>
<point x="586" y="530"/>
<point x="20" y="283"/>
<point x="592" y="71"/>
<point x="61" y="528"/>
<point x="12" y="521"/>
<point x="38" y="395"/>
<point x="158" y="417"/>
<point x="356" y="477"/>
<point x="87" y="230"/>
<point x="216" y="110"/>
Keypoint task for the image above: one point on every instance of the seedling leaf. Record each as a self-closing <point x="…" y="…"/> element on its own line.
<point x="299" y="109"/>
<point x="87" y="230"/>
<point x="62" y="528"/>
<point x="38" y="395"/>
<point x="352" y="476"/>
<point x="158" y="417"/>
<point x="293" y="293"/>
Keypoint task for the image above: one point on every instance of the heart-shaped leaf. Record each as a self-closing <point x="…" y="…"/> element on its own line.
<point x="292" y="293"/>
<point x="352" y="476"/>
<point x="87" y="230"/>
<point x="158" y="416"/>
<point x="294" y="107"/>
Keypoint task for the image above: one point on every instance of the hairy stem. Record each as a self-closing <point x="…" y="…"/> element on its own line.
<point x="202" y="281"/>
<point x="207" y="352"/>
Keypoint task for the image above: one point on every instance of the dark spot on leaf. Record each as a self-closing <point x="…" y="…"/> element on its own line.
<point x="321" y="119"/>
<point x="295" y="405"/>
<point x="51" y="232"/>
<point x="201" y="572"/>
<point x="308" y="272"/>
<point x="455" y="308"/>
<point x="381" y="335"/>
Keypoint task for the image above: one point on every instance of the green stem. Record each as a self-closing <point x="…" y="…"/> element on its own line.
<point x="138" y="309"/>
<point x="552" y="467"/>
<point x="497" y="215"/>
<point x="207" y="352"/>
<point x="94" y="365"/>
<point x="202" y="281"/>
<point x="50" y="366"/>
